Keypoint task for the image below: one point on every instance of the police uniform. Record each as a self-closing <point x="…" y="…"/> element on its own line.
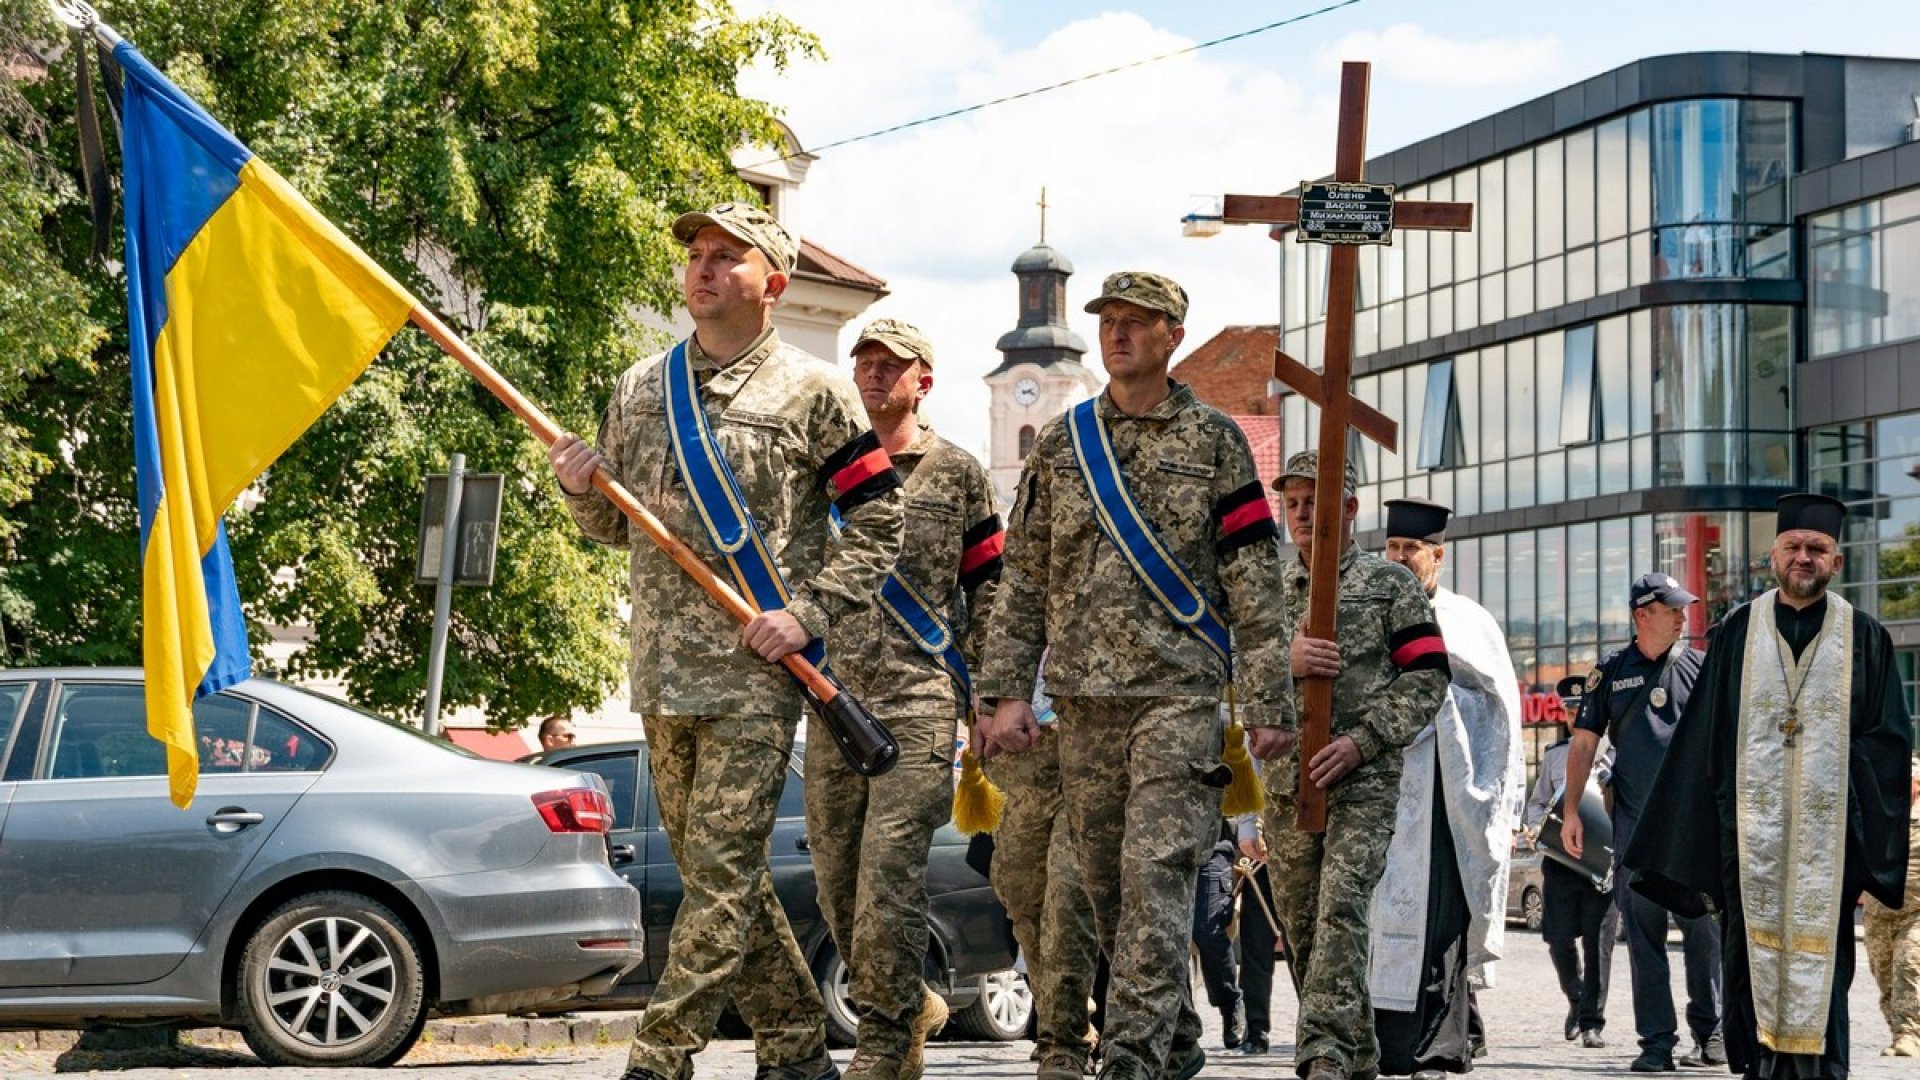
<point x="1137" y="693"/>
<point x="1624" y="680"/>
<point x="870" y="836"/>
<point x="1393" y="678"/>
<point x="719" y="720"/>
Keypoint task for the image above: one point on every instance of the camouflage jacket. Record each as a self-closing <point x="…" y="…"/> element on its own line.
<point x="791" y="427"/>
<point x="950" y="554"/>
<point x="1070" y="591"/>
<point x="1394" y="670"/>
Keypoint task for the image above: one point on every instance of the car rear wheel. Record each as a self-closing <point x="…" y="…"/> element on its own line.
<point x="843" y="1019"/>
<point x="1531" y="908"/>
<point x="1003" y="1009"/>
<point x="332" y="979"/>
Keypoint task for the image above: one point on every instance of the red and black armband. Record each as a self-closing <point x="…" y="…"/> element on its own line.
<point x="859" y="473"/>
<point x="1419" y="648"/>
<point x="980" y="551"/>
<point x="1241" y="518"/>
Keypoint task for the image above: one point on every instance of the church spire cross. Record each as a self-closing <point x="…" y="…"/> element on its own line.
<point x="1043" y="214"/>
<point x="1344" y="213"/>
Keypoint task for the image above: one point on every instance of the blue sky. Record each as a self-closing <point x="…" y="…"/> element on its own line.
<point x="942" y="210"/>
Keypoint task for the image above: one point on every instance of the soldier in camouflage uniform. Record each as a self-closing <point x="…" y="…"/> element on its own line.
<point x="1390" y="673"/>
<point x="719" y="717"/>
<point x="1036" y="875"/>
<point x="870" y="837"/>
<point x="1893" y="946"/>
<point x="1137" y="693"/>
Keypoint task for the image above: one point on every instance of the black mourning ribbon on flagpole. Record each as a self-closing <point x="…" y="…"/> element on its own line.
<point x="94" y="171"/>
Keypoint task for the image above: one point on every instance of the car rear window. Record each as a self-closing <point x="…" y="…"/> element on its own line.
<point x="101" y="731"/>
<point x="240" y="736"/>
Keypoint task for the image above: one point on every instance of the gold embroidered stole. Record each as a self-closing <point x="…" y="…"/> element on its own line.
<point x="1790" y="775"/>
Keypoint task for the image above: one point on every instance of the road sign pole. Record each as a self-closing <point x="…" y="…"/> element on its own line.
<point x="443" y="591"/>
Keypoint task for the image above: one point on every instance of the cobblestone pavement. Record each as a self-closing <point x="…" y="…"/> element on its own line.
<point x="1523" y="1011"/>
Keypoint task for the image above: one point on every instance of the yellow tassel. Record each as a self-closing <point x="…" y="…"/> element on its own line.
<point x="976" y="801"/>
<point x="1245" y="794"/>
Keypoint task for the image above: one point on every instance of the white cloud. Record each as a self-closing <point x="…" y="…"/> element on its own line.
<point x="1409" y="52"/>
<point x="942" y="211"/>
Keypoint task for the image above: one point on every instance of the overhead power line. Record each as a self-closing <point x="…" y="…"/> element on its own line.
<point x="1038" y="90"/>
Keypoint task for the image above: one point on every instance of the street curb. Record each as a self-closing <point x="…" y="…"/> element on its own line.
<point x="511" y="1032"/>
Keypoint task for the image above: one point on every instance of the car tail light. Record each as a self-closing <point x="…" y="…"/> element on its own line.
<point x="575" y="810"/>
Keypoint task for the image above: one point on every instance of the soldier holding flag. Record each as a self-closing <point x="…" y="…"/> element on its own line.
<point x="720" y="719"/>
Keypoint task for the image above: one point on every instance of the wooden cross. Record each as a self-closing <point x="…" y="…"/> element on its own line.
<point x="1342" y="213"/>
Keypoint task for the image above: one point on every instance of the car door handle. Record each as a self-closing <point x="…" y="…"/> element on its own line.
<point x="234" y="818"/>
<point x="620" y="854"/>
<point x="800" y="842"/>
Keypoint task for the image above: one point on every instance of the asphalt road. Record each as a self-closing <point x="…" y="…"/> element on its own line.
<point x="1523" y="1010"/>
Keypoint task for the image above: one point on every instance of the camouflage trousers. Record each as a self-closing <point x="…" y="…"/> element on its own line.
<point x="1323" y="887"/>
<point x="717" y="780"/>
<point x="870" y="837"/>
<point x="1036" y="875"/>
<point x="1142" y="822"/>
<point x="1893" y="952"/>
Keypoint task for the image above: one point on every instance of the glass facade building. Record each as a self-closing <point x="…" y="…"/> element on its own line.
<point x="1604" y="376"/>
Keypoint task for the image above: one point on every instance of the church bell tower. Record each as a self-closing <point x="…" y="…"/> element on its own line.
<point x="1040" y="374"/>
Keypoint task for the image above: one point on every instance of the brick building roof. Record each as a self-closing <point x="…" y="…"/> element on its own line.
<point x="1230" y="371"/>
<point x="816" y="261"/>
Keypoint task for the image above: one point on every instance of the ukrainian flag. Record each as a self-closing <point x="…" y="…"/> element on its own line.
<point x="248" y="314"/>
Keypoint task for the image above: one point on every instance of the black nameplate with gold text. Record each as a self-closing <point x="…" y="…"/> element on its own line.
<point x="1346" y="213"/>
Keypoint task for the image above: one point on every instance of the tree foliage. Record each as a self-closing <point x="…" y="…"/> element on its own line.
<point x="514" y="162"/>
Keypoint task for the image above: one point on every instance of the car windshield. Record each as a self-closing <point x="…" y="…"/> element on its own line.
<point x="443" y="743"/>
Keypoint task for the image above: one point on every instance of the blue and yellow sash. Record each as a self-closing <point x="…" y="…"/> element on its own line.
<point x="716" y="495"/>
<point x="927" y="630"/>
<point x="1120" y="521"/>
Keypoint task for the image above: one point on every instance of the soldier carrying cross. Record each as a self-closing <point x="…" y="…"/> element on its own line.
<point x="1368" y="660"/>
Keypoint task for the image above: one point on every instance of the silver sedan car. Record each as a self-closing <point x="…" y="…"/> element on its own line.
<point x="336" y="879"/>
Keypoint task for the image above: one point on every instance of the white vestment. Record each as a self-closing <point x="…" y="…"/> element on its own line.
<point x="1475" y="740"/>
<point x="1790" y="818"/>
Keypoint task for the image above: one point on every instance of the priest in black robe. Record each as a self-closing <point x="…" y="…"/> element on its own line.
<point x="1783" y="797"/>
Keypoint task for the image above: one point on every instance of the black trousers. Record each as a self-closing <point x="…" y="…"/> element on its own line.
<point x="1580" y="925"/>
<point x="1258" y="941"/>
<point x="1646" y="922"/>
<point x="1212" y="916"/>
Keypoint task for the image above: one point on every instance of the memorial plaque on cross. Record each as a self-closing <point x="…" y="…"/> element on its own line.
<point x="1343" y="212"/>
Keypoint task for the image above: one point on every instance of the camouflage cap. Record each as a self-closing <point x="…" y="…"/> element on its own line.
<point x="1148" y="290"/>
<point x="745" y="222"/>
<point x="902" y="339"/>
<point x="1305" y="465"/>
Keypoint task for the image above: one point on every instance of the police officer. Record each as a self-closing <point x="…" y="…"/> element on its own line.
<point x="1390" y="672"/>
<point x="1137" y="685"/>
<point x="720" y="717"/>
<point x="1213" y="915"/>
<point x="1579" y="922"/>
<point x="870" y="837"/>
<point x="1634" y="698"/>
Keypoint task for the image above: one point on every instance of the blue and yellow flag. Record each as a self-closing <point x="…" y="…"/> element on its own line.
<point x="248" y="314"/>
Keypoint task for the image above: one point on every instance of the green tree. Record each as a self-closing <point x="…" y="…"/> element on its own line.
<point x="1900" y="571"/>
<point x="516" y="163"/>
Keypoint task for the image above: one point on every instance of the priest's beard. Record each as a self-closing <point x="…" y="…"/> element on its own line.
<point x="1805" y="587"/>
